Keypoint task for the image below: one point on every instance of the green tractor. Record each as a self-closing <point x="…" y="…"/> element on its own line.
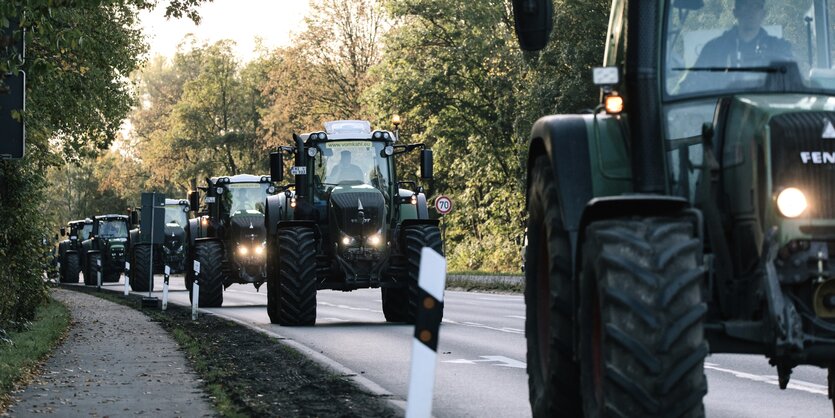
<point x="172" y="252"/>
<point x="106" y="244"/>
<point x="69" y="250"/>
<point x="227" y="237"/>
<point x="347" y="222"/>
<point x="700" y="223"/>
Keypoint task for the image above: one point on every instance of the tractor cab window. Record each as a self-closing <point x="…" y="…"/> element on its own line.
<point x="351" y="163"/>
<point x="114" y="228"/>
<point x="738" y="46"/>
<point x="84" y="232"/>
<point x="175" y="214"/>
<point x="244" y="198"/>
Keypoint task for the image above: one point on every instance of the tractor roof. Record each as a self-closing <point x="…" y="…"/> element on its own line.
<point x="347" y="129"/>
<point x="176" y="202"/>
<point x="80" y="221"/>
<point x="240" y="178"/>
<point x="111" y="216"/>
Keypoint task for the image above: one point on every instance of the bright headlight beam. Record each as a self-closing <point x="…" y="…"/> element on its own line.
<point x="791" y="202"/>
<point x="243" y="250"/>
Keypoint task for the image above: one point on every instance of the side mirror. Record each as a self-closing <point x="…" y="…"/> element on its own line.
<point x="134" y="217"/>
<point x="276" y="167"/>
<point x="194" y="200"/>
<point x="63" y="231"/>
<point x="426" y="164"/>
<point x="533" y="20"/>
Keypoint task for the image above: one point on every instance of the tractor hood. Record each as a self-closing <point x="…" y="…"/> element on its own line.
<point x="358" y="210"/>
<point x="174" y="236"/>
<point x="247" y="226"/>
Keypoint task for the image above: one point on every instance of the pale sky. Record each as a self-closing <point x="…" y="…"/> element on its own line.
<point x="274" y="21"/>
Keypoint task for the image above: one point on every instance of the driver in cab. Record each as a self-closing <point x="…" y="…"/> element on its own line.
<point x="345" y="170"/>
<point x="744" y="45"/>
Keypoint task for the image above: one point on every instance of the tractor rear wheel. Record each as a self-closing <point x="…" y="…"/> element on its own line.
<point x="553" y="375"/>
<point x="91" y="273"/>
<point x="70" y="268"/>
<point x="140" y="276"/>
<point x="210" y="255"/>
<point x="642" y="346"/>
<point x="291" y="288"/>
<point x="415" y="237"/>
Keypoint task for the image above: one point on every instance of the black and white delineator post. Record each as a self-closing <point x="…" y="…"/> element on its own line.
<point x="127" y="274"/>
<point x="98" y="274"/>
<point x="195" y="291"/>
<point x="167" y="272"/>
<point x="432" y="281"/>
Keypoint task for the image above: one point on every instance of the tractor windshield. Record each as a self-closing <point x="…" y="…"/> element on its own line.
<point x="748" y="46"/>
<point x="352" y="163"/>
<point x="113" y="228"/>
<point x="84" y="232"/>
<point x="244" y="198"/>
<point x="176" y="214"/>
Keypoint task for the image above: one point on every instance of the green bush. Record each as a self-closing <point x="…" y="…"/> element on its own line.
<point x="22" y="250"/>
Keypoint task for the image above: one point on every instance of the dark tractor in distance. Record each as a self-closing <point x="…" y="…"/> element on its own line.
<point x="227" y="237"/>
<point x="347" y="222"/>
<point x="703" y="222"/>
<point x="171" y="253"/>
<point x="69" y="250"/>
<point x="107" y="243"/>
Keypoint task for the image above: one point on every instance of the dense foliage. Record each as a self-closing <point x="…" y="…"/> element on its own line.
<point x="78" y="56"/>
<point x="451" y="69"/>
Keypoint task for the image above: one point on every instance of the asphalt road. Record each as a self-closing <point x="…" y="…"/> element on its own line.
<point x="481" y="369"/>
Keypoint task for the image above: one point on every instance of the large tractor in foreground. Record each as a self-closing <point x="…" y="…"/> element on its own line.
<point x="347" y="222"/>
<point x="227" y="237"/>
<point x="702" y="222"/>
<point x="171" y="252"/>
<point x="69" y="250"/>
<point x="106" y="244"/>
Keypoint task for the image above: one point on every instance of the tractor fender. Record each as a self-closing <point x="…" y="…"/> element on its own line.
<point x="133" y="239"/>
<point x="275" y="211"/>
<point x="422" y="207"/>
<point x="396" y="233"/>
<point x="192" y="230"/>
<point x="564" y="140"/>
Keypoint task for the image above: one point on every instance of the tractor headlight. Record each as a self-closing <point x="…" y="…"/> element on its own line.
<point x="791" y="202"/>
<point x="259" y="250"/>
<point x="375" y="240"/>
<point x="347" y="240"/>
<point x="242" y="250"/>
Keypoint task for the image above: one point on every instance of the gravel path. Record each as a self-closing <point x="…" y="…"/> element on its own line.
<point x="114" y="362"/>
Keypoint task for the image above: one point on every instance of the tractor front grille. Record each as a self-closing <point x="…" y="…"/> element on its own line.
<point x="802" y="157"/>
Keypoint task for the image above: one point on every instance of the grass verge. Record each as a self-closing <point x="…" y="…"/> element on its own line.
<point x="20" y="359"/>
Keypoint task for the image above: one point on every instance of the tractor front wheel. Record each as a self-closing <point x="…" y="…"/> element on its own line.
<point x="553" y="374"/>
<point x="90" y="273"/>
<point x="70" y="268"/>
<point x="210" y="255"/>
<point x="642" y="345"/>
<point x="291" y="286"/>
<point x="400" y="304"/>
<point x="141" y="278"/>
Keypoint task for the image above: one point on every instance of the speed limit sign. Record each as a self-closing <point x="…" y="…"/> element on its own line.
<point x="443" y="205"/>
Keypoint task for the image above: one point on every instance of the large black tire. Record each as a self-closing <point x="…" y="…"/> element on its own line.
<point x="400" y="304"/>
<point x="553" y="374"/>
<point x="210" y="255"/>
<point x="291" y="285"/>
<point x="90" y="274"/>
<point x="642" y="345"/>
<point x="70" y="268"/>
<point x="140" y="275"/>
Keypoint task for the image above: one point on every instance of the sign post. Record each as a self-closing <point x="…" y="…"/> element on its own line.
<point x="443" y="205"/>
<point x="127" y="274"/>
<point x="152" y="222"/>
<point x="98" y="273"/>
<point x="431" y="282"/>
<point x="195" y="291"/>
<point x="165" y="288"/>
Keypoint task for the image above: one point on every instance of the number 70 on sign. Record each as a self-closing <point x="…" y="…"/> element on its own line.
<point x="443" y="205"/>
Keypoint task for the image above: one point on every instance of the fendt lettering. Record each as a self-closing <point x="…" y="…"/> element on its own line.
<point x="712" y="236"/>
<point x="817" y="157"/>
